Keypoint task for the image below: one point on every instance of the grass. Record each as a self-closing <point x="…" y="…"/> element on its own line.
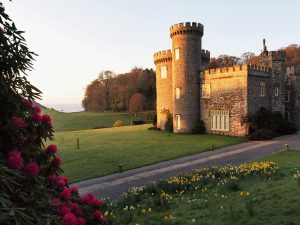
<point x="89" y="120"/>
<point x="272" y="200"/>
<point x="101" y="150"/>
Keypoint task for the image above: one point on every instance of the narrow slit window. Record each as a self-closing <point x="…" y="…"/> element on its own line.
<point x="163" y="72"/>
<point x="276" y="91"/>
<point x="262" y="89"/>
<point x="177" y="53"/>
<point x="177" y="93"/>
<point x="178" y="122"/>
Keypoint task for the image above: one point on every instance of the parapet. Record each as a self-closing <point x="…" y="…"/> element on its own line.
<point x="244" y="67"/>
<point x="275" y="55"/>
<point x="205" y="55"/>
<point x="162" y="56"/>
<point x="186" y="28"/>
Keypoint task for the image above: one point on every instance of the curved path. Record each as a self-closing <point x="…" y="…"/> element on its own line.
<point x="114" y="185"/>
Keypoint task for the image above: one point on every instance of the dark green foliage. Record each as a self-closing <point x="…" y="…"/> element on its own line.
<point x="169" y="123"/>
<point x="265" y="124"/>
<point x="262" y="134"/>
<point x="286" y="127"/>
<point x="199" y="127"/>
<point x="137" y="122"/>
<point x="154" y="122"/>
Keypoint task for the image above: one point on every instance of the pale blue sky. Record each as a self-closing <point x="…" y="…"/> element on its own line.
<point x="76" y="39"/>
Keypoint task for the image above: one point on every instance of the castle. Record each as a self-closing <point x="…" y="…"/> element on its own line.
<point x="220" y="97"/>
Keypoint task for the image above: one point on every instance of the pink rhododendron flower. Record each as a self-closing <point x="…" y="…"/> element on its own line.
<point x="96" y="202"/>
<point x="27" y="102"/>
<point x="64" y="178"/>
<point x="36" y="117"/>
<point x="53" y="179"/>
<point x="19" y="122"/>
<point x="36" y="108"/>
<point x="14" y="160"/>
<point x="46" y="119"/>
<point x="32" y="169"/>
<point x="61" y="183"/>
<point x="76" y="209"/>
<point x="56" y="162"/>
<point x="69" y="219"/>
<point x="97" y="215"/>
<point x="87" y="199"/>
<point x="51" y="149"/>
<point x="65" y="194"/>
<point x="63" y="210"/>
<point x="81" y="221"/>
<point x="74" y="189"/>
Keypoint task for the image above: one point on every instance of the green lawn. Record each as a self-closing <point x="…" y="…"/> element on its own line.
<point x="89" y="120"/>
<point x="101" y="150"/>
<point x="272" y="200"/>
<point x="285" y="160"/>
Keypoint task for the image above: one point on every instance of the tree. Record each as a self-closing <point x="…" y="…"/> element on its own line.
<point x="106" y="79"/>
<point x="250" y="58"/>
<point x="223" y="61"/>
<point x="137" y="102"/>
<point x="292" y="54"/>
<point x="93" y="98"/>
<point x="114" y="92"/>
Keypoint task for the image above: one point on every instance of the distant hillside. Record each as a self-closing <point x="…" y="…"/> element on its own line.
<point x="89" y="120"/>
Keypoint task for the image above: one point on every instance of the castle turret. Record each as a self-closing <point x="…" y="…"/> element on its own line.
<point x="186" y="67"/>
<point x="164" y="100"/>
<point x="276" y="61"/>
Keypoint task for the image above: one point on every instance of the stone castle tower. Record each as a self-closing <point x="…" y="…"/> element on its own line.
<point x="276" y="61"/>
<point x="178" y="77"/>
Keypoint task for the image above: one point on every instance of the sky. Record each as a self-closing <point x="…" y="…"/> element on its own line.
<point x="77" y="39"/>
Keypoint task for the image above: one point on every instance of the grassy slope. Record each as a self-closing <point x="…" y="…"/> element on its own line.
<point x="275" y="201"/>
<point x="87" y="120"/>
<point x="133" y="146"/>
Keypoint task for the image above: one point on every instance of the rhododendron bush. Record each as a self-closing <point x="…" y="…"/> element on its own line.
<point x="32" y="189"/>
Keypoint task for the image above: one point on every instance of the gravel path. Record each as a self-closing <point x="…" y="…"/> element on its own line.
<point x="114" y="185"/>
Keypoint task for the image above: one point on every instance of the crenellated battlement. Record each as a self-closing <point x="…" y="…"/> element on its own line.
<point x="273" y="55"/>
<point x="252" y="69"/>
<point x="186" y="28"/>
<point x="162" y="56"/>
<point x="205" y="53"/>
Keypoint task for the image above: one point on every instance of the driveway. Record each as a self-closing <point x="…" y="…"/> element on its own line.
<point x="114" y="185"/>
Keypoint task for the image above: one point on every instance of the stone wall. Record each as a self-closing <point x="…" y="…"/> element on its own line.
<point x="228" y="91"/>
<point x="293" y="85"/>
<point x="255" y="101"/>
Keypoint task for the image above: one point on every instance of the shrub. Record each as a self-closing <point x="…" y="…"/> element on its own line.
<point x="265" y="124"/>
<point x="137" y="122"/>
<point x="199" y="127"/>
<point x="262" y="134"/>
<point x="286" y="127"/>
<point x="169" y="123"/>
<point x="33" y="190"/>
<point x="154" y="121"/>
<point x="118" y="123"/>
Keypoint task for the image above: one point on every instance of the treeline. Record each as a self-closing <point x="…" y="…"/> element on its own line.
<point x="133" y="91"/>
<point x="292" y="57"/>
